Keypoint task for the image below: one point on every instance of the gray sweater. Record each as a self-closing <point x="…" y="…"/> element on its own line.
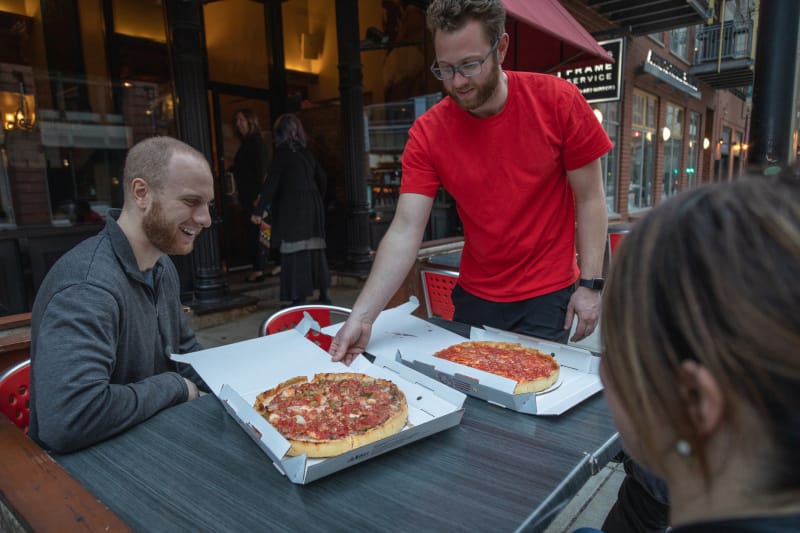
<point x="100" y="344"/>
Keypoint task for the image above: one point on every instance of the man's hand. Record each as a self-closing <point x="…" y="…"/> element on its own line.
<point x="350" y="341"/>
<point x="586" y="304"/>
<point x="194" y="392"/>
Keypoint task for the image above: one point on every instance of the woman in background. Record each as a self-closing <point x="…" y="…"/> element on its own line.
<point x="701" y="328"/>
<point x="249" y="169"/>
<point x="294" y="194"/>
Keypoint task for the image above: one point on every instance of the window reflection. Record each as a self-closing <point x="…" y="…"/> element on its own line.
<point x="608" y="114"/>
<point x="640" y="188"/>
<point x="92" y="84"/>
<point x="673" y="150"/>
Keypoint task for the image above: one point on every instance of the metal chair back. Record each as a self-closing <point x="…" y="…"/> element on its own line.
<point x="291" y="316"/>
<point x="438" y="287"/>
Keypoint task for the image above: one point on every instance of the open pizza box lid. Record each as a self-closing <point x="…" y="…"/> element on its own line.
<point x="398" y="335"/>
<point x="238" y="372"/>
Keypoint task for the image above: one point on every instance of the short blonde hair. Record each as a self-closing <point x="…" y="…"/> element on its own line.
<point x="149" y="159"/>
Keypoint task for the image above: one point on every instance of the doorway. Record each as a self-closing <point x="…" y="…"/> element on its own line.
<point x="225" y="101"/>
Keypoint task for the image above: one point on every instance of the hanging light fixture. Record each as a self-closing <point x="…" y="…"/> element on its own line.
<point x="24" y="118"/>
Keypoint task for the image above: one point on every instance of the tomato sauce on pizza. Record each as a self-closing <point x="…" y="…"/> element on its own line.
<point x="533" y="370"/>
<point x="334" y="412"/>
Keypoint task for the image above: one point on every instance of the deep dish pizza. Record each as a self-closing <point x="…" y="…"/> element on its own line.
<point x="533" y="370"/>
<point x="334" y="412"/>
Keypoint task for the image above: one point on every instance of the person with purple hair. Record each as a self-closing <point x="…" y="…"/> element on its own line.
<point x="293" y="192"/>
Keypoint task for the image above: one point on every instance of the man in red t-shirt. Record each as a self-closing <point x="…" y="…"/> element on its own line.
<point x="519" y="152"/>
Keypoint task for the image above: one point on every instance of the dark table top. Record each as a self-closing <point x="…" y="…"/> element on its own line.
<point x="192" y="468"/>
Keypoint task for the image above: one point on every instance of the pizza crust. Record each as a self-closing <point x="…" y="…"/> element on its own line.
<point x="536" y="385"/>
<point x="331" y="447"/>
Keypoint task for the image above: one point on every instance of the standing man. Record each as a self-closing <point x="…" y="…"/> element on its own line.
<point x="108" y="315"/>
<point x="520" y="154"/>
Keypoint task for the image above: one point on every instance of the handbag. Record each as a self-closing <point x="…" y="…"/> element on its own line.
<point x="265" y="230"/>
<point x="231" y="191"/>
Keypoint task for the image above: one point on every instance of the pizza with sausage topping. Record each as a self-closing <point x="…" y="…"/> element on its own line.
<point x="533" y="370"/>
<point x="334" y="412"/>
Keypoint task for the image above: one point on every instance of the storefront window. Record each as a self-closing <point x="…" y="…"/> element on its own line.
<point x="640" y="188"/>
<point x="673" y="150"/>
<point x="608" y="114"/>
<point x="692" y="158"/>
<point x="86" y="92"/>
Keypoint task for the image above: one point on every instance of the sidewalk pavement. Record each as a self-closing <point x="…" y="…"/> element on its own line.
<point x="587" y="509"/>
<point x="236" y="325"/>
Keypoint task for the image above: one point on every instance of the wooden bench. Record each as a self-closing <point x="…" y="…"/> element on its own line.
<point x="15" y="339"/>
<point x="37" y="494"/>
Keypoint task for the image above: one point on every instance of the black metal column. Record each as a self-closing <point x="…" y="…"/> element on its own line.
<point x="278" y="86"/>
<point x="773" y="87"/>
<point x="355" y="160"/>
<point x="186" y="44"/>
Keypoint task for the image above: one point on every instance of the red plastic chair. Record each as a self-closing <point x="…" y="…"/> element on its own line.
<point x="614" y="239"/>
<point x="291" y="316"/>
<point x="15" y="394"/>
<point x="615" y="236"/>
<point x="438" y="287"/>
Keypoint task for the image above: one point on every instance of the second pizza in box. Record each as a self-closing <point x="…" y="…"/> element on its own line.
<point x="522" y="373"/>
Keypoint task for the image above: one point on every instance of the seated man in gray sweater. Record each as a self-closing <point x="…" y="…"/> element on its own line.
<point x="108" y="315"/>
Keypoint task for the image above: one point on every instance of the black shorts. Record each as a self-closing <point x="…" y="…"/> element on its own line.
<point x="542" y="316"/>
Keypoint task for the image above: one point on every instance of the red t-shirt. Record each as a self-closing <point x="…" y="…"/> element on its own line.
<point x="507" y="174"/>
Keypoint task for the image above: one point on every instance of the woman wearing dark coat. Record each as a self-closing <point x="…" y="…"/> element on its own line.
<point x="293" y="193"/>
<point x="249" y="169"/>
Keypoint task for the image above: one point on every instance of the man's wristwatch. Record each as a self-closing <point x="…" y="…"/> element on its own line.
<point x="595" y="284"/>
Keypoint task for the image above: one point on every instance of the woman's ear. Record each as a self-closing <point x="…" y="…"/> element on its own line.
<point x="701" y="392"/>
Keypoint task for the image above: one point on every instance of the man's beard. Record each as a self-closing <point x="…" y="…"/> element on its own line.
<point x="482" y="94"/>
<point x="161" y="233"/>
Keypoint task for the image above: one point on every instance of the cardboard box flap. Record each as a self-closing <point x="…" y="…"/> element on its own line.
<point x="266" y="436"/>
<point x="272" y="359"/>
<point x="427" y="386"/>
<point x="395" y="330"/>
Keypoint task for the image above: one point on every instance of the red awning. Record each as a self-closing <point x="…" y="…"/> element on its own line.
<point x="546" y="38"/>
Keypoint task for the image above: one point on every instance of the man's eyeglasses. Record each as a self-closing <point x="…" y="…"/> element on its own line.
<point x="468" y="70"/>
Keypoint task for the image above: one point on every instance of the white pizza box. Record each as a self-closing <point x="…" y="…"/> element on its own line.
<point x="398" y="335"/>
<point x="238" y="372"/>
